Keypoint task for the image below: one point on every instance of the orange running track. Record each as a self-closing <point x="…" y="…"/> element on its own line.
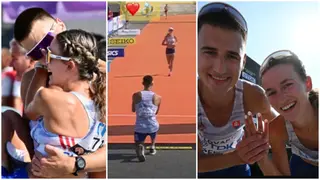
<point x="177" y="116"/>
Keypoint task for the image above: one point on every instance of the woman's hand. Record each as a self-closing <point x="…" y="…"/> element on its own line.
<point x="254" y="145"/>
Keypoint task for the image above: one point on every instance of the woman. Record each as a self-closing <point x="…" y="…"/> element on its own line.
<point x="170" y="40"/>
<point x="71" y="108"/>
<point x="290" y="92"/>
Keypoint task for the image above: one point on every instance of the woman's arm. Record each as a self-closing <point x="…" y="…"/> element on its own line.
<point x="277" y="133"/>
<point x="279" y="164"/>
<point x="164" y="42"/>
<point x="54" y="103"/>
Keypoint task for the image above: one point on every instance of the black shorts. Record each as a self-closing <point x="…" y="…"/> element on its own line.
<point x="170" y="50"/>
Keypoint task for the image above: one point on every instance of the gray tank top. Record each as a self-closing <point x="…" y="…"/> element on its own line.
<point x="146" y="121"/>
<point x="297" y="148"/>
<point x="221" y="140"/>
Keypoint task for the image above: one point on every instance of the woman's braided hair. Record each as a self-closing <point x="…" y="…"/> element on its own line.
<point x="81" y="46"/>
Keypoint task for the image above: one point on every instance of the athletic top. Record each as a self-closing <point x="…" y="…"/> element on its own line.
<point x="8" y="77"/>
<point x="297" y="148"/>
<point x="220" y="140"/>
<point x="70" y="145"/>
<point x="170" y="40"/>
<point x="146" y="121"/>
<point x="16" y="88"/>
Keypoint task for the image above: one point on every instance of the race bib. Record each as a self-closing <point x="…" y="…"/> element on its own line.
<point x="93" y="141"/>
<point x="223" y="146"/>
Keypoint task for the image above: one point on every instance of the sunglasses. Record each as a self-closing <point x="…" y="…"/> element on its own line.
<point x="35" y="53"/>
<point x="281" y="54"/>
<point x="220" y="7"/>
<point x="53" y="56"/>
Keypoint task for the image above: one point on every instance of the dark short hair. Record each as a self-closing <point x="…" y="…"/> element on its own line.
<point x="102" y="47"/>
<point x="223" y="20"/>
<point x="98" y="37"/>
<point x="24" y="22"/>
<point x="147" y="80"/>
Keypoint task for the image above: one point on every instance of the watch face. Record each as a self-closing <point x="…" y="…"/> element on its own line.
<point x="81" y="163"/>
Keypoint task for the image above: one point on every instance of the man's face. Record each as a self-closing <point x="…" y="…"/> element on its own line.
<point x="220" y="57"/>
<point x="39" y="29"/>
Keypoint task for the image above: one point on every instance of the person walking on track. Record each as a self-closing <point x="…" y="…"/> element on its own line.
<point x="170" y="40"/>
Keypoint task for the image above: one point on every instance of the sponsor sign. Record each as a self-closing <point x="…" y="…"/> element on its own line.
<point x="248" y="77"/>
<point x="129" y="32"/>
<point x="113" y="53"/>
<point x="121" y="41"/>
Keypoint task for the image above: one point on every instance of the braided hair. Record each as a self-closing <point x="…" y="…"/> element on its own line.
<point x="81" y="46"/>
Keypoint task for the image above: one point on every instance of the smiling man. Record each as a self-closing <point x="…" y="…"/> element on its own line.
<point x="223" y="98"/>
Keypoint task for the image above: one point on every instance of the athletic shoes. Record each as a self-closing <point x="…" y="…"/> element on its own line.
<point x="170" y="73"/>
<point x="152" y="151"/>
<point x="140" y="153"/>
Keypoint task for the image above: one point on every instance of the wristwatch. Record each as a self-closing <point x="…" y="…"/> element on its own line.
<point x="80" y="165"/>
<point x="39" y="65"/>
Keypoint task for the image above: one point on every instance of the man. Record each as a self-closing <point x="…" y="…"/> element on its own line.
<point x="146" y="105"/>
<point x="224" y="99"/>
<point x="34" y="29"/>
<point x="102" y="46"/>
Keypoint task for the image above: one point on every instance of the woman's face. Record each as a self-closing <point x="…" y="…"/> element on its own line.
<point x="286" y="91"/>
<point x="58" y="68"/>
<point x="170" y="31"/>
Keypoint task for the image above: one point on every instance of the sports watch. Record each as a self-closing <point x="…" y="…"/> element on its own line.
<point x="80" y="165"/>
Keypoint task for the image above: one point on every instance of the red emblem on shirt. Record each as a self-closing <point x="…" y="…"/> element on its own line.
<point x="236" y="123"/>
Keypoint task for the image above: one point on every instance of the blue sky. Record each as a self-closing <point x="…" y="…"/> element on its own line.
<point x="283" y="25"/>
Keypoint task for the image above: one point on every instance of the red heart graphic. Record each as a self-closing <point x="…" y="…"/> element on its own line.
<point x="133" y="8"/>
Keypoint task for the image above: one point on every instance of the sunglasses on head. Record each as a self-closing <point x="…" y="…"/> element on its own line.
<point x="220" y="7"/>
<point x="281" y="54"/>
<point x="35" y="53"/>
<point x="53" y="56"/>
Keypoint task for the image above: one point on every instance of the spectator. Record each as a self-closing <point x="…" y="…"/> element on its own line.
<point x="110" y="14"/>
<point x="98" y="37"/>
<point x="21" y="64"/>
<point x="8" y="76"/>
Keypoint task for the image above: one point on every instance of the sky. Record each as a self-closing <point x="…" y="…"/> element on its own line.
<point x="277" y="25"/>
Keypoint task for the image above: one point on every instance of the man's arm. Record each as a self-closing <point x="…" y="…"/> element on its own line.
<point x="39" y="80"/>
<point x="25" y="82"/>
<point x="95" y="162"/>
<point x="133" y="108"/>
<point x="157" y="102"/>
<point x="248" y="151"/>
<point x="208" y="163"/>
